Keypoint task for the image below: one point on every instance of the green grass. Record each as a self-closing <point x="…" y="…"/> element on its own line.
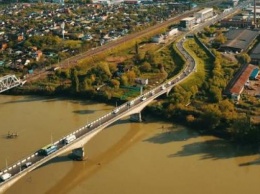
<point x="198" y="77"/>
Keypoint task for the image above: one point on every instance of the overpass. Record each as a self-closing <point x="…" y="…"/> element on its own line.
<point x="85" y="133"/>
<point x="9" y="81"/>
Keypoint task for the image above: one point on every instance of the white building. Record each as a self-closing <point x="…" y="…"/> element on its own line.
<point x="158" y="38"/>
<point x="187" y="23"/>
<point x="204" y="14"/>
<point x="173" y="31"/>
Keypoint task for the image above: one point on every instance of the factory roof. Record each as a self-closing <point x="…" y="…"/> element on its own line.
<point x="238" y="87"/>
<point x="256" y="52"/>
<point x="240" y="38"/>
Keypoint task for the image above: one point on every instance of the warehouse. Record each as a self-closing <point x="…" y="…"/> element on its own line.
<point x="238" y="40"/>
<point x="240" y="83"/>
<point x="255" y="55"/>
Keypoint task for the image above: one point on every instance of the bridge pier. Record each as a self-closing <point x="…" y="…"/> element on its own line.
<point x="78" y="153"/>
<point x="136" y="117"/>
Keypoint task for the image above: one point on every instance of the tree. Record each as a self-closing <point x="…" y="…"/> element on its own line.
<point x="115" y="83"/>
<point x="131" y="76"/>
<point x="243" y="58"/>
<point x="220" y="39"/>
<point x="136" y="49"/>
<point x="74" y="81"/>
<point x="146" y="67"/>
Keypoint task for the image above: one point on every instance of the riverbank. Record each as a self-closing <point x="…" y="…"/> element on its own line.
<point x="149" y="157"/>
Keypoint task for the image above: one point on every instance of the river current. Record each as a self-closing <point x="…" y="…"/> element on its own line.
<point x="126" y="158"/>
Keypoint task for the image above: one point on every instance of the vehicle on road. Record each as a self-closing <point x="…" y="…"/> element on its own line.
<point x="163" y="87"/>
<point x="69" y="139"/>
<point x="27" y="164"/>
<point x="89" y="125"/>
<point x="143" y="98"/>
<point x="47" y="150"/>
<point x="130" y="103"/>
<point x="115" y="110"/>
<point x="5" y="176"/>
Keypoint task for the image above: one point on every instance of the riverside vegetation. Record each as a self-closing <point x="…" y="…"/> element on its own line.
<point x="197" y="102"/>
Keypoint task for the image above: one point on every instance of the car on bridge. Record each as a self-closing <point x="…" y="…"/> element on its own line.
<point x="27" y="164"/>
<point x="89" y="125"/>
<point x="143" y="98"/>
<point x="5" y="176"/>
<point x="69" y="139"/>
<point x="116" y="110"/>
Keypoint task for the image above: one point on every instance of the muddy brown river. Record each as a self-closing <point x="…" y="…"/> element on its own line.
<point x="126" y="158"/>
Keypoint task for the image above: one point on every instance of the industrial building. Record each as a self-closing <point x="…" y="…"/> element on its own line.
<point x="187" y="23"/>
<point x="204" y="14"/>
<point x="255" y="55"/>
<point x="238" y="40"/>
<point x="240" y="21"/>
<point x="240" y="83"/>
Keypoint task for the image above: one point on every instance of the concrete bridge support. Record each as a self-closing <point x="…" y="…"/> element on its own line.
<point x="136" y="117"/>
<point x="78" y="153"/>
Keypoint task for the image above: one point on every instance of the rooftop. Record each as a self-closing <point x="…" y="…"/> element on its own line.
<point x="240" y="38"/>
<point x="237" y="88"/>
<point x="256" y="52"/>
<point x="188" y="19"/>
<point x="205" y="10"/>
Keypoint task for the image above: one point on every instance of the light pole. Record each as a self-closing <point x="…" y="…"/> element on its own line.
<point x="6" y="164"/>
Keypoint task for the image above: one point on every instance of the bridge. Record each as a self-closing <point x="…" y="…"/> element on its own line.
<point x="85" y="133"/>
<point x="9" y="81"/>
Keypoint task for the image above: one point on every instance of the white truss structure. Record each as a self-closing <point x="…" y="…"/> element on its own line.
<point x="9" y="81"/>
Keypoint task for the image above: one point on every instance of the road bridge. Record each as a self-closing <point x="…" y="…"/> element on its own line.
<point x="9" y="81"/>
<point x="85" y="133"/>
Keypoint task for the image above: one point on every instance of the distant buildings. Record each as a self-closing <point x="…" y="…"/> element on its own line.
<point x="200" y="16"/>
<point x="204" y="14"/>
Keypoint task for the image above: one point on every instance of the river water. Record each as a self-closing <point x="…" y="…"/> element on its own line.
<point x="151" y="157"/>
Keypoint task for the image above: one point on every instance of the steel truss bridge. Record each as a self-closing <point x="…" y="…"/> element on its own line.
<point x="9" y="81"/>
